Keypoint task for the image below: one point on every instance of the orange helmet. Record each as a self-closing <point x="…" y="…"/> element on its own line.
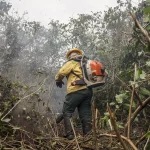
<point x="73" y="50"/>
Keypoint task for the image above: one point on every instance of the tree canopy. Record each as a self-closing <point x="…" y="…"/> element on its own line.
<point x="31" y="54"/>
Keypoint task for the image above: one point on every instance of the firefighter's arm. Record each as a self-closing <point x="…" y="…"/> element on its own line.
<point x="64" y="71"/>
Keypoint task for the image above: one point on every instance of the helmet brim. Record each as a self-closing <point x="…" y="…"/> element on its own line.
<point x="73" y="50"/>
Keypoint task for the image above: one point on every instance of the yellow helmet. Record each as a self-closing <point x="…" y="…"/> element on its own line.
<point x="73" y="50"/>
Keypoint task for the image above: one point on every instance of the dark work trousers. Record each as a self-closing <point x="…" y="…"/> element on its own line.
<point x="82" y="100"/>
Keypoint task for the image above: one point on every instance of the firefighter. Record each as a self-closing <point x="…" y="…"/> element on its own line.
<point x="78" y="96"/>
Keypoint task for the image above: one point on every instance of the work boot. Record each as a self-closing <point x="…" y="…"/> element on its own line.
<point x="68" y="129"/>
<point x="59" y="118"/>
<point x="86" y="127"/>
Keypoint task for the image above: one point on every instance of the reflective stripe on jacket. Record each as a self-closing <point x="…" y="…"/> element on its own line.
<point x="65" y="71"/>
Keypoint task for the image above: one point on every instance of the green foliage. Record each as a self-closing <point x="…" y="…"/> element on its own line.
<point x="144" y="91"/>
<point x="33" y="52"/>
<point x="121" y="97"/>
<point x="6" y="120"/>
<point x="148" y="134"/>
<point x="103" y="122"/>
<point x="120" y="125"/>
<point x="146" y="10"/>
<point x="148" y="63"/>
<point x="5" y="129"/>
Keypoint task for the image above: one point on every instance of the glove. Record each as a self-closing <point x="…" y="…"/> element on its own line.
<point x="59" y="84"/>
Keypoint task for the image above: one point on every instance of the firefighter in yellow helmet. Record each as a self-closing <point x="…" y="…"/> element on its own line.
<point x="78" y="95"/>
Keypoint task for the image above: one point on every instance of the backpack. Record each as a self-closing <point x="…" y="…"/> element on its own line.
<point x="93" y="73"/>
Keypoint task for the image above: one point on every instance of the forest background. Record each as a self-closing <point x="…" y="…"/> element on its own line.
<point x="31" y="54"/>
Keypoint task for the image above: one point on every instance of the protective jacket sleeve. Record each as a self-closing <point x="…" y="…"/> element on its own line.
<point x="64" y="71"/>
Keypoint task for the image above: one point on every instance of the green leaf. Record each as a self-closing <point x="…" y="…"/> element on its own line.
<point x="25" y="87"/>
<point x="133" y="105"/>
<point x="119" y="125"/>
<point x="121" y="97"/>
<point x="148" y="63"/>
<point x="140" y="53"/>
<point x="117" y="107"/>
<point x="143" y="75"/>
<point x="28" y="118"/>
<point x="148" y="28"/>
<point x="137" y="75"/>
<point x="148" y="134"/>
<point x="6" y="120"/>
<point x="128" y="105"/>
<point x="112" y="103"/>
<point x="14" y="98"/>
<point x="16" y="128"/>
<point x="148" y="82"/>
<point x="136" y="119"/>
<point x="133" y="83"/>
<point x="144" y="91"/>
<point x="106" y="114"/>
<point x="146" y="10"/>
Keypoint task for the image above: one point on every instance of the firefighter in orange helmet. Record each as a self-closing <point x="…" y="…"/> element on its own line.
<point x="78" y="96"/>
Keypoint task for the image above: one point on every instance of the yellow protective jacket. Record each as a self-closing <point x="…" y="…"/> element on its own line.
<point x="65" y="71"/>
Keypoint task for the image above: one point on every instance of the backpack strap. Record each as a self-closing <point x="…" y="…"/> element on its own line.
<point x="77" y="60"/>
<point x="82" y="58"/>
<point x="76" y="75"/>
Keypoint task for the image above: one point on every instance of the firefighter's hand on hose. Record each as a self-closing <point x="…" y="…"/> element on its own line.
<point x="59" y="84"/>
